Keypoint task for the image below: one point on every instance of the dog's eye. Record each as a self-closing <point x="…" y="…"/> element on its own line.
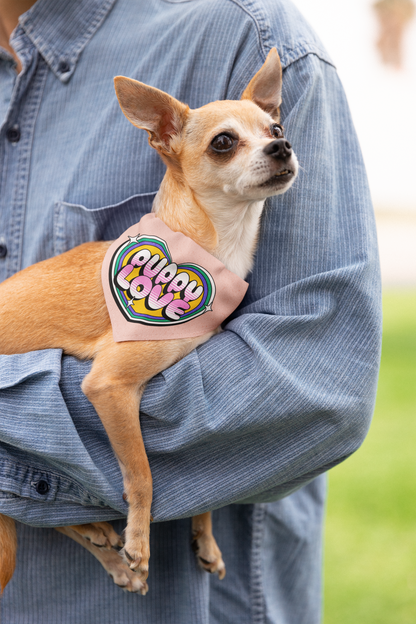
<point x="222" y="143"/>
<point x="277" y="131"/>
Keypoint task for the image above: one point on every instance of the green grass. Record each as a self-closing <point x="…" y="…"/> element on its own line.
<point x="370" y="558"/>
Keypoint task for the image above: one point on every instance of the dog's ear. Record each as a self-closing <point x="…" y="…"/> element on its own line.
<point x="153" y="110"/>
<point x="265" y="88"/>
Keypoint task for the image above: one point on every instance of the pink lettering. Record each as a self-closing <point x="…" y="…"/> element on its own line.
<point x="151" y="268"/>
<point x="175" y="309"/>
<point x="179" y="282"/>
<point x="192" y="293"/>
<point x="167" y="273"/>
<point x="121" y="277"/>
<point x="143" y="281"/>
<point x="154" y="302"/>
<point x="141" y="257"/>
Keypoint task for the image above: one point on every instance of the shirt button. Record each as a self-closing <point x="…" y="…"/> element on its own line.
<point x="3" y="250"/>
<point x="63" y="67"/>
<point x="13" y="134"/>
<point x="42" y="487"/>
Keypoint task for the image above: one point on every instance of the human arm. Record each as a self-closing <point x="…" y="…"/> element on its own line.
<point x="285" y="392"/>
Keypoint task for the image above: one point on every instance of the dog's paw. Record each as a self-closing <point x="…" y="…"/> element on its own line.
<point x="107" y="551"/>
<point x="208" y="554"/>
<point x="125" y="578"/>
<point x="119" y="571"/>
<point x="100" y="534"/>
<point x="136" y="555"/>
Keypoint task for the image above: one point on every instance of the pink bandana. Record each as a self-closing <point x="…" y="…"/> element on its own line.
<point x="159" y="285"/>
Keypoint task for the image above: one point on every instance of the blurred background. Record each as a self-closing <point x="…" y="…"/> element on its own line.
<point x="370" y="558"/>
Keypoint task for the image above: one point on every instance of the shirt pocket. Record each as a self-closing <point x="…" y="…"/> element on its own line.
<point x="74" y="224"/>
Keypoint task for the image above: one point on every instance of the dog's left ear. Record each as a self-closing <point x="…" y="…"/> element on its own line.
<point x="265" y="88"/>
<point x="153" y="110"/>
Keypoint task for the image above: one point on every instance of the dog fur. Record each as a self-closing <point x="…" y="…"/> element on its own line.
<point x="216" y="197"/>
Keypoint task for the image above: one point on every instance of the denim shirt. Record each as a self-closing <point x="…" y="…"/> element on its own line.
<point x="246" y="422"/>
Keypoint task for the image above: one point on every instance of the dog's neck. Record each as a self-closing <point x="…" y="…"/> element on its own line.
<point x="224" y="226"/>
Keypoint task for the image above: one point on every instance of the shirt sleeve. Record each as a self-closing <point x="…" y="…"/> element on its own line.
<point x="285" y="392"/>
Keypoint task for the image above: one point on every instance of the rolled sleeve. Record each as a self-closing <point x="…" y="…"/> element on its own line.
<point x="288" y="390"/>
<point x="48" y="467"/>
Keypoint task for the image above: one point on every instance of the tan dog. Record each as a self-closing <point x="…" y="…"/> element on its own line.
<point x="223" y="160"/>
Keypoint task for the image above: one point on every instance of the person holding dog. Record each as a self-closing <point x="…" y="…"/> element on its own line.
<point x="246" y="424"/>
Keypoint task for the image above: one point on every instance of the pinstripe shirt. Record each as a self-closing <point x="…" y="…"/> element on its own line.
<point x="246" y="423"/>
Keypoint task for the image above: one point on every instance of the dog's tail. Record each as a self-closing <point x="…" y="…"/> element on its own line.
<point x="8" y="548"/>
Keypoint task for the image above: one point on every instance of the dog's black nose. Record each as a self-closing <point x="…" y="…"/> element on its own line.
<point x="279" y="148"/>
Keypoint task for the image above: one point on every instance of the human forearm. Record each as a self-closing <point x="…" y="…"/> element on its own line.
<point x="288" y="389"/>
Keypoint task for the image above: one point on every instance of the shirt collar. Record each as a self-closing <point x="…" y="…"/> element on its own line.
<point x="60" y="30"/>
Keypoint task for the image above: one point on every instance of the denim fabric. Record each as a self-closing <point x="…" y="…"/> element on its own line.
<point x="258" y="412"/>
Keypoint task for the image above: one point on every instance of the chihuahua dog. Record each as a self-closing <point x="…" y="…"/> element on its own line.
<point x="223" y="160"/>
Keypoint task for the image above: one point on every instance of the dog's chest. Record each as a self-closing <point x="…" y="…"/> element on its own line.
<point x="238" y="238"/>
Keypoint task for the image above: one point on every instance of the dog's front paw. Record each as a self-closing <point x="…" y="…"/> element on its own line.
<point x="126" y="578"/>
<point x="208" y="554"/>
<point x="136" y="554"/>
<point x="121" y="574"/>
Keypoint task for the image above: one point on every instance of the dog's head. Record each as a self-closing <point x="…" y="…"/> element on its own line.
<point x="232" y="148"/>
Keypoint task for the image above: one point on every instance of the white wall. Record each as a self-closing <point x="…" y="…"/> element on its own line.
<point x="382" y="100"/>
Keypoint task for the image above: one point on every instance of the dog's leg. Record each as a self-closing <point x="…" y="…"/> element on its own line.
<point x="115" y="386"/>
<point x="114" y="390"/>
<point x="208" y="554"/>
<point x="100" y="534"/>
<point x="110" y="559"/>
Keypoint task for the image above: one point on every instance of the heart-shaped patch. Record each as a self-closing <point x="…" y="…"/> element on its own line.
<point x="150" y="288"/>
<point x="159" y="284"/>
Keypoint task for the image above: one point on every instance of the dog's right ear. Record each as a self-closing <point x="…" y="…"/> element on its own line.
<point x="153" y="110"/>
<point x="265" y="88"/>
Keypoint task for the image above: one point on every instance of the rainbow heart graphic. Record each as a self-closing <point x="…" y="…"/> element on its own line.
<point x="149" y="288"/>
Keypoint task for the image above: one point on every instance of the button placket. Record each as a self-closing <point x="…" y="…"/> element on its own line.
<point x="24" y="108"/>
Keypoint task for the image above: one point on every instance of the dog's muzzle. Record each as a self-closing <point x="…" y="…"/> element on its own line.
<point x="280" y="149"/>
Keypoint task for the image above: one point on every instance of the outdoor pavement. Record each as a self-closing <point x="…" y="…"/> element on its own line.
<point x="397" y="243"/>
